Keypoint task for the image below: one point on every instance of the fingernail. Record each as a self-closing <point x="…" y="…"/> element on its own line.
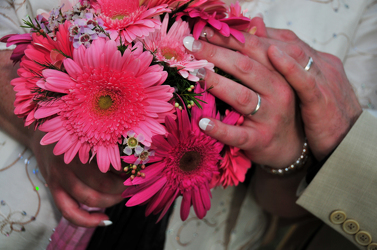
<point x="253" y="30"/>
<point x="206" y="124"/>
<point x="201" y="73"/>
<point x="105" y="223"/>
<point x="259" y="15"/>
<point x="207" y="32"/>
<point x="191" y="44"/>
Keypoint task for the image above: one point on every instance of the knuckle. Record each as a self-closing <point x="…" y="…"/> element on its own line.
<point x="211" y="51"/>
<point x="253" y="42"/>
<point x="91" y="200"/>
<point x="287" y="97"/>
<point x="242" y="139"/>
<point x="297" y="53"/>
<point x="212" y="80"/>
<point x="105" y="186"/>
<point x="288" y="35"/>
<point x="67" y="215"/>
<point x="244" y="64"/>
<point x="291" y="69"/>
<point x="245" y="98"/>
<point x="311" y="87"/>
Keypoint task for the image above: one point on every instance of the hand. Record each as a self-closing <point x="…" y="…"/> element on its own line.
<point x="273" y="136"/>
<point x="329" y="106"/>
<point x="77" y="183"/>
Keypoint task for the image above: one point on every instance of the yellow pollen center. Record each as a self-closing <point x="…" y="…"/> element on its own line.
<point x="119" y="17"/>
<point x="105" y="102"/>
<point x="132" y="142"/>
<point x="168" y="55"/>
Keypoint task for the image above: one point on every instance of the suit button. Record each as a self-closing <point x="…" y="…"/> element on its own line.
<point x="363" y="238"/>
<point x="372" y="246"/>
<point x="338" y="217"/>
<point x="351" y="226"/>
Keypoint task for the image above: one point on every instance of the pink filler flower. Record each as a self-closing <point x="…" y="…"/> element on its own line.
<point x="213" y="13"/>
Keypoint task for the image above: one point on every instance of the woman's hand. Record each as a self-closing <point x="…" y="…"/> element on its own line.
<point x="329" y="106"/>
<point x="273" y="136"/>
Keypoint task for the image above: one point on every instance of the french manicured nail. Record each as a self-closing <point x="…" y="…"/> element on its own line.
<point x="191" y="44"/>
<point x="207" y="32"/>
<point x="201" y="73"/>
<point x="105" y="223"/>
<point x="206" y="124"/>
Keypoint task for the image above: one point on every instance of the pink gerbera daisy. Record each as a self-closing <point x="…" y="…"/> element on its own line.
<point x="213" y="13"/>
<point x="106" y="95"/>
<point x="22" y="41"/>
<point x="184" y="164"/>
<point x="234" y="165"/>
<point x="41" y="51"/>
<point x="130" y="19"/>
<point x="168" y="47"/>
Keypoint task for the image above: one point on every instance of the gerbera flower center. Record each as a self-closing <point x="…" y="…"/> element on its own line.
<point x="119" y="17"/>
<point x="169" y="53"/>
<point x="189" y="161"/>
<point x="105" y="102"/>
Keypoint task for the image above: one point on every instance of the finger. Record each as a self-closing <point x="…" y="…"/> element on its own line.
<point x="254" y="47"/>
<point x="260" y="26"/>
<point x="86" y="195"/>
<point x="251" y="73"/>
<point x="71" y="211"/>
<point x="240" y="137"/>
<point x="241" y="98"/>
<point x="282" y="35"/>
<point x="106" y="183"/>
<point x="301" y="81"/>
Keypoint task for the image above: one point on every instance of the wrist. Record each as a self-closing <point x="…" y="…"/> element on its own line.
<point x="304" y="159"/>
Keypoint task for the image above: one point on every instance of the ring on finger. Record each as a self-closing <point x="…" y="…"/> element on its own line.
<point x="309" y="64"/>
<point x="258" y="105"/>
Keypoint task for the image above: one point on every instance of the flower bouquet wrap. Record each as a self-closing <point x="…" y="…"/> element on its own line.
<point x="111" y="81"/>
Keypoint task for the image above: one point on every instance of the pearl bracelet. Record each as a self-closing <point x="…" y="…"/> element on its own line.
<point x="298" y="164"/>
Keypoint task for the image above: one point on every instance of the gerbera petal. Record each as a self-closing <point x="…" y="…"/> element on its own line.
<point x="51" y="125"/>
<point x="167" y="206"/>
<point x="198" y="203"/>
<point x="53" y="136"/>
<point x="64" y="144"/>
<point x="84" y="152"/>
<point x="156" y="200"/>
<point x="114" y="156"/>
<point x="147" y="193"/>
<point x="71" y="153"/>
<point x="73" y="69"/>
<point x="185" y="205"/>
<point x="205" y="197"/>
<point x="103" y="160"/>
<point x="150" y="172"/>
<point x="46" y="111"/>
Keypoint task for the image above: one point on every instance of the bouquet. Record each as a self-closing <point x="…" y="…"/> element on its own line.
<point x="111" y="81"/>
